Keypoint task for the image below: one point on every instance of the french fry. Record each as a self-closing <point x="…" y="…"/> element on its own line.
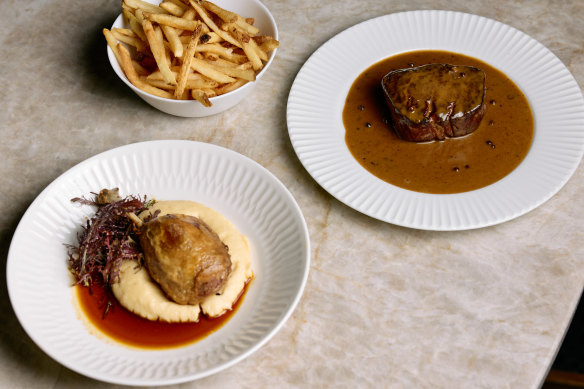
<point x="173" y="40"/>
<point x="231" y="87"/>
<point x="182" y="4"/>
<point x="141" y="70"/>
<point x="192" y="78"/>
<point x="201" y="97"/>
<point x="123" y="31"/>
<point x="253" y="56"/>
<point x="135" y="25"/>
<point x="239" y="35"/>
<point x="140" y="17"/>
<point x="187" y="60"/>
<point x="157" y="75"/>
<point x="211" y="38"/>
<point x="207" y="70"/>
<point x="172" y="8"/>
<point x="232" y="64"/>
<point x="199" y="76"/>
<point x="230" y="26"/>
<point x="246" y="65"/>
<point x="201" y="84"/>
<point x="130" y="72"/>
<point x="161" y="84"/>
<point x="210" y="56"/>
<point x="163" y="44"/>
<point x="139" y="4"/>
<point x="173" y="21"/>
<point x="248" y="75"/>
<point x="226" y="16"/>
<point x="189" y="14"/>
<point x="247" y="27"/>
<point x="250" y="49"/>
<point x="226" y="63"/>
<point x="269" y="45"/>
<point x="239" y="58"/>
<point x="209" y="22"/>
<point x="127" y="8"/>
<point x="263" y="56"/>
<point x="210" y="92"/>
<point x="131" y="40"/>
<point x="112" y="43"/>
<point x="216" y="49"/>
<point x="158" y="52"/>
<point x="266" y="43"/>
<point x="191" y="84"/>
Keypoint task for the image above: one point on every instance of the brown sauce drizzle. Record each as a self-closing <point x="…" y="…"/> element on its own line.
<point x="128" y="328"/>
<point x="454" y="165"/>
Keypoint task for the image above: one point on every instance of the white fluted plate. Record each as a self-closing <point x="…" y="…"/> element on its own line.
<point x="317" y="97"/>
<point x="247" y="194"/>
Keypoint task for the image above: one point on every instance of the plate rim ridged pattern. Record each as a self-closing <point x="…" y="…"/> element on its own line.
<point x="316" y="99"/>
<point x="251" y="197"/>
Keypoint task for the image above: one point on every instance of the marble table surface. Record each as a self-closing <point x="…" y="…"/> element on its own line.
<point x="384" y="306"/>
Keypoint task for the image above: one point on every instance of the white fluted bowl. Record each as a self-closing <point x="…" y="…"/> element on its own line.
<point x="248" y="195"/>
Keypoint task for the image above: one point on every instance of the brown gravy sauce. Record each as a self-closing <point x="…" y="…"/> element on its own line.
<point x="454" y="165"/>
<point x="128" y="328"/>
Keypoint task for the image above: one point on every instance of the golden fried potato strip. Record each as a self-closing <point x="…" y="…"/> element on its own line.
<point x="187" y="60"/>
<point x="130" y="72"/>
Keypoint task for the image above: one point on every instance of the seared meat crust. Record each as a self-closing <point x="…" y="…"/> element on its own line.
<point x="185" y="257"/>
<point x="436" y="101"/>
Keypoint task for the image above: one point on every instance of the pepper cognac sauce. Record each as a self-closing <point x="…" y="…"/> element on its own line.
<point x="133" y="330"/>
<point x="454" y="165"/>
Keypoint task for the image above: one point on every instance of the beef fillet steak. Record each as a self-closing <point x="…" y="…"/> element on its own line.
<point x="436" y="101"/>
<point x="185" y="257"/>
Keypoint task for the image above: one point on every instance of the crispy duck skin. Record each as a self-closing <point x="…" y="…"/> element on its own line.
<point x="185" y="257"/>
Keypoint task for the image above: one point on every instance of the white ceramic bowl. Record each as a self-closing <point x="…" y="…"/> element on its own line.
<point x="255" y="201"/>
<point x="192" y="108"/>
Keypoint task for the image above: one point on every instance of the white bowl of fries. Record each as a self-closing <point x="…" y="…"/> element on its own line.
<point x="192" y="58"/>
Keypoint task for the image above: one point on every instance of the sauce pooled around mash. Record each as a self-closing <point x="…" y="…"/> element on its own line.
<point x="203" y="258"/>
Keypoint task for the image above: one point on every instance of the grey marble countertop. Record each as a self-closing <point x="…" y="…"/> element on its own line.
<point x="384" y="305"/>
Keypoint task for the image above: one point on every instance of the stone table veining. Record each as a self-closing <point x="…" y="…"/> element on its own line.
<point x="384" y="305"/>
